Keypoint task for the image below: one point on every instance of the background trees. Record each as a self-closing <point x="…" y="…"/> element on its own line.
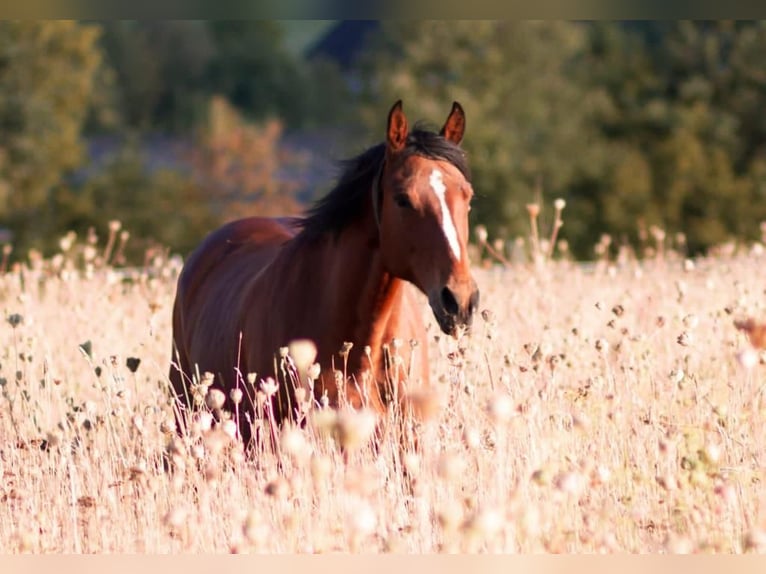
<point x="174" y="127"/>
<point x="634" y="124"/>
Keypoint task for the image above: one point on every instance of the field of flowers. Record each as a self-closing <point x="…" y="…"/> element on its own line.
<point x="601" y="408"/>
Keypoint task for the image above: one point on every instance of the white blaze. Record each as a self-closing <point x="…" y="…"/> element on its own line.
<point x="447" y="225"/>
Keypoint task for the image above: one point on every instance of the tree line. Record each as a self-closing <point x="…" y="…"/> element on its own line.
<point x="634" y="124"/>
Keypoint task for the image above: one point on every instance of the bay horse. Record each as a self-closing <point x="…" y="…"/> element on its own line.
<point x="396" y="222"/>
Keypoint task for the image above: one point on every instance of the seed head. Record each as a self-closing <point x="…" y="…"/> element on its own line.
<point x="748" y="358"/>
<point x="314" y="371"/>
<point x="449" y="466"/>
<point x="215" y="399"/>
<point x="559" y="204"/>
<point x="500" y="408"/>
<point x="236" y="395"/>
<point x="685" y="339"/>
<point x="355" y="428"/>
<point x="303" y="352"/>
<point x="229" y="427"/>
<point x="481" y="234"/>
<point x="533" y="209"/>
<point x="269" y="387"/>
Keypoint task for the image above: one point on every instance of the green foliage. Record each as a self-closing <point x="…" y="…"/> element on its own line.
<point x="635" y="124"/>
<point x="157" y="208"/>
<point x="167" y="71"/>
<point x="46" y="78"/>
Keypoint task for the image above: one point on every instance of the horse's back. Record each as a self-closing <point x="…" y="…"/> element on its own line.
<point x="254" y="237"/>
<point x="212" y="284"/>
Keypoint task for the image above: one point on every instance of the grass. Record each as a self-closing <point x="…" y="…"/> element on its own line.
<point x="600" y="409"/>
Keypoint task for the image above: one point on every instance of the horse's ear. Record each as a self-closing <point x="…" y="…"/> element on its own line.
<point x="454" y="127"/>
<point x="396" y="136"/>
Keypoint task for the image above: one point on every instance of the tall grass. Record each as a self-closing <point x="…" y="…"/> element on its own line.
<point x="592" y="409"/>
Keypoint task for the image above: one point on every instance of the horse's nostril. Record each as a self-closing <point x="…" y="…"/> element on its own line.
<point x="449" y="302"/>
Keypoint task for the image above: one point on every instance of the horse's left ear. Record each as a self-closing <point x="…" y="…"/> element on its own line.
<point x="396" y="136"/>
<point x="454" y="127"/>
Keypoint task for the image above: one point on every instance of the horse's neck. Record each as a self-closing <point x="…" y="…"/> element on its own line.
<point x="365" y="300"/>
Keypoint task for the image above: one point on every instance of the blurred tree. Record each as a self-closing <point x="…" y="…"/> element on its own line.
<point x="687" y="149"/>
<point x="167" y="71"/>
<point x="242" y="165"/>
<point x="47" y="71"/>
<point x="161" y="71"/>
<point x="162" y="207"/>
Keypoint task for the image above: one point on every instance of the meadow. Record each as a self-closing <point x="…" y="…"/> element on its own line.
<point x="613" y="407"/>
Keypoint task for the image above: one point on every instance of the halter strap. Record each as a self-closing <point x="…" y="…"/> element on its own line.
<point x="376" y="193"/>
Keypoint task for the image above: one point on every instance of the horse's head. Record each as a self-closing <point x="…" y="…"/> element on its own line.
<point x="422" y="208"/>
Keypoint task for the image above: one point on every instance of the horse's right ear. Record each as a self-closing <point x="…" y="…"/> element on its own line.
<point x="454" y="127"/>
<point x="396" y="135"/>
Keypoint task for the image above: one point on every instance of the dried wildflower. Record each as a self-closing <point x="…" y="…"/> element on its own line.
<point x="748" y="358"/>
<point x="278" y="488"/>
<point x="755" y="540"/>
<point x="254" y="528"/>
<point x="533" y="209"/>
<point x="346" y="348"/>
<point x="321" y="466"/>
<point x="449" y="467"/>
<point x="204" y="420"/>
<point x="215" y="399"/>
<point x="269" y="387"/>
<point x="303" y="352"/>
<point x="236" y="395"/>
<point x="252" y="378"/>
<point x="361" y="519"/>
<point x="114" y="225"/>
<point x="450" y="515"/>
<point x="559" y="204"/>
<point x="293" y="442"/>
<point x="481" y="234"/>
<point x="690" y="321"/>
<point x="486" y="522"/>
<point x="174" y="518"/>
<point x="132" y="363"/>
<point x="424" y="403"/>
<point x="500" y="408"/>
<point x="570" y="482"/>
<point x="314" y="371"/>
<point x="15" y="320"/>
<point x="229" y="428"/>
<point x="676" y="375"/>
<point x="355" y="428"/>
<point x="685" y="339"/>
<point x="471" y="437"/>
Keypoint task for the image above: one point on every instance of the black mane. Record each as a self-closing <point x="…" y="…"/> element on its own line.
<point x="347" y="200"/>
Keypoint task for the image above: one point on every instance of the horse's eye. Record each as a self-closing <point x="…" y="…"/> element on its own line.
<point x="403" y="201"/>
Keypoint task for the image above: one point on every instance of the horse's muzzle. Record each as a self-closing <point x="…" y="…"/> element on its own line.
<point x="454" y="308"/>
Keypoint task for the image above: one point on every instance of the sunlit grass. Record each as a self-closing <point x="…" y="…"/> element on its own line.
<point x="614" y="407"/>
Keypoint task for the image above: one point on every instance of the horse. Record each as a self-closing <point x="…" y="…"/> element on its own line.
<point x="348" y="271"/>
